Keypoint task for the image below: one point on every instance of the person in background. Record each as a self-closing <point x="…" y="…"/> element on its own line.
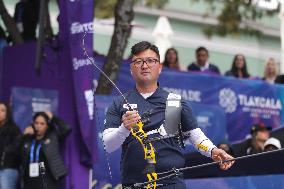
<point x="272" y="144"/>
<point x="40" y="145"/>
<point x="260" y="134"/>
<point x="202" y="64"/>
<point x="269" y="181"/>
<point x="239" y="67"/>
<point x="271" y="72"/>
<point x="26" y="17"/>
<point x="9" y="157"/>
<point x="171" y="59"/>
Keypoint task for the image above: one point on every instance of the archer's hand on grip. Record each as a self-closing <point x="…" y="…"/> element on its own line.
<point x="130" y="119"/>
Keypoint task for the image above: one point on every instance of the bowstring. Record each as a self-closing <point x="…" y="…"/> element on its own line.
<point x="99" y="120"/>
<point x="101" y="71"/>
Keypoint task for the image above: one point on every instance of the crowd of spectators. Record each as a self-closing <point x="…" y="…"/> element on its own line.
<point x="31" y="160"/>
<point x="238" y="68"/>
<point x="259" y="140"/>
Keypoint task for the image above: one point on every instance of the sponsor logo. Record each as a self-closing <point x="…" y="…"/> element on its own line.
<point x="190" y="95"/>
<point x="77" y="27"/>
<point x="78" y="63"/>
<point x="89" y="96"/>
<point x="228" y="100"/>
<point x="255" y="105"/>
<point x="203" y="121"/>
<point x="41" y="104"/>
<point x="260" y="102"/>
<point x="133" y="106"/>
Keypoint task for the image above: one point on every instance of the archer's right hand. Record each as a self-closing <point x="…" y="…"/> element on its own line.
<point x="130" y="119"/>
<point x="29" y="131"/>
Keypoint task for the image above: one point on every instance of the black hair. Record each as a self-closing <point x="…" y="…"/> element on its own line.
<point x="142" y="46"/>
<point x="9" y="118"/>
<point x="166" y="62"/>
<point x="234" y="68"/>
<point x="201" y="49"/>
<point x="42" y="114"/>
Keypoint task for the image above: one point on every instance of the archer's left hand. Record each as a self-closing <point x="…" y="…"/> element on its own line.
<point x="49" y="114"/>
<point x="221" y="155"/>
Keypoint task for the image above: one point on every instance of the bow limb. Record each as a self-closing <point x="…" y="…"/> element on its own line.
<point x="149" y="154"/>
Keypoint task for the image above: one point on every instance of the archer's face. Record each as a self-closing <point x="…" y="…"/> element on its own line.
<point x="146" y="67"/>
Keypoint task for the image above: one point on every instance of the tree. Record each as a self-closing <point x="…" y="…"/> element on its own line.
<point x="124" y="14"/>
<point x="10" y="24"/>
<point x="234" y="18"/>
<point x="12" y="28"/>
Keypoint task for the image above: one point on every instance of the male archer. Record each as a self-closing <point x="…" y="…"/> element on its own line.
<point x="148" y="96"/>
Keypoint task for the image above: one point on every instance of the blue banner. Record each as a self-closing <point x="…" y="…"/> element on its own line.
<point x="106" y="170"/>
<point x="80" y="22"/>
<point x="27" y="101"/>
<point x="247" y="182"/>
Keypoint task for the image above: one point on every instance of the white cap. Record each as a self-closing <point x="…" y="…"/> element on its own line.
<point x="273" y="141"/>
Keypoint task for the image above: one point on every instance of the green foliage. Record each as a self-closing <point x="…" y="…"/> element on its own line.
<point x="156" y="3"/>
<point x="235" y="17"/>
<point x="105" y="8"/>
<point x="232" y="18"/>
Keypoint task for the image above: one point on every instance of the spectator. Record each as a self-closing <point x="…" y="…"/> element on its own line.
<point x="171" y="59"/>
<point x="271" y="72"/>
<point x="9" y="161"/>
<point x="272" y="144"/>
<point x="239" y="67"/>
<point x="260" y="133"/>
<point x="41" y="144"/>
<point x="26" y="17"/>
<point x="202" y="63"/>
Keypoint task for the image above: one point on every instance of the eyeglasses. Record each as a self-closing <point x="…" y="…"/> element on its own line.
<point x="150" y="62"/>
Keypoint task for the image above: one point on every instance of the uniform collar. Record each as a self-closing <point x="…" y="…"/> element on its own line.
<point x="157" y="91"/>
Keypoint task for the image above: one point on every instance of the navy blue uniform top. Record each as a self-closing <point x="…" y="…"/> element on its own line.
<point x="168" y="152"/>
<point x="195" y="67"/>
